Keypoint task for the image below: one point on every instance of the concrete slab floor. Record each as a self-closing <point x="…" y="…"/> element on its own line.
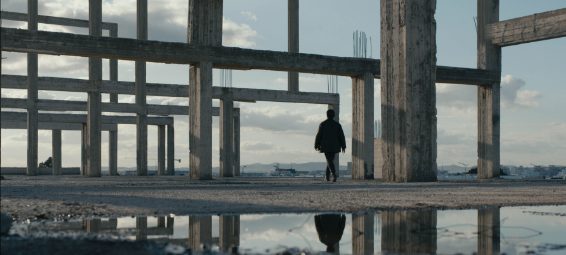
<point x="50" y="197"/>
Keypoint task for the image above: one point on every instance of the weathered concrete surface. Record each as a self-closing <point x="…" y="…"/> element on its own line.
<point x="72" y="196"/>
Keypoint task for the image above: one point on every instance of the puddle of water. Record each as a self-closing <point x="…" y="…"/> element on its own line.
<point x="509" y="230"/>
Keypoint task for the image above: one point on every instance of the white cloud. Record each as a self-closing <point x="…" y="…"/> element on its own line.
<point x="238" y="34"/>
<point x="249" y="15"/>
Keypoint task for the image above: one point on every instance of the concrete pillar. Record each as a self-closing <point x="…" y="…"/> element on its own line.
<point x="336" y="109"/>
<point x="92" y="225"/>
<point x="204" y="28"/>
<point x="94" y="122"/>
<point x="32" y="122"/>
<point x="113" y="134"/>
<point x="293" y="41"/>
<point x="362" y="127"/>
<point x="229" y="240"/>
<point x="377" y="159"/>
<point x="161" y="150"/>
<point x="56" y="151"/>
<point x="408" y="232"/>
<point x="200" y="233"/>
<point x="141" y="122"/>
<point x="408" y="95"/>
<point x="171" y="149"/>
<point x="237" y="142"/>
<point x="362" y="233"/>
<point x="488" y="231"/>
<point x="226" y="135"/>
<point x="84" y="141"/>
<point x="170" y="222"/>
<point x="489" y="58"/>
<point x="141" y="228"/>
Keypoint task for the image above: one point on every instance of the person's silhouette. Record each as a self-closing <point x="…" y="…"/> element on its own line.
<point x="330" y="140"/>
<point x="330" y="228"/>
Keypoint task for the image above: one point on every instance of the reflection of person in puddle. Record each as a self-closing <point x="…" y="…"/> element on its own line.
<point x="330" y="228"/>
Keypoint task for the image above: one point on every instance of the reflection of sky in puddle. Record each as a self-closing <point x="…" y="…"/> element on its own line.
<point x="522" y="229"/>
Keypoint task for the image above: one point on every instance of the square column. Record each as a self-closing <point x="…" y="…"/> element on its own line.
<point x="489" y="95"/>
<point x="204" y="28"/>
<point x="170" y="149"/>
<point x="293" y="41"/>
<point x="408" y="92"/>
<point x="94" y="123"/>
<point x="32" y="116"/>
<point x="56" y="151"/>
<point x="84" y="141"/>
<point x="161" y="150"/>
<point x="226" y="135"/>
<point x="113" y="134"/>
<point x="362" y="127"/>
<point x="141" y="121"/>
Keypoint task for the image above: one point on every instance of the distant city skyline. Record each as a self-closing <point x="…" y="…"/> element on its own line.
<point x="533" y="119"/>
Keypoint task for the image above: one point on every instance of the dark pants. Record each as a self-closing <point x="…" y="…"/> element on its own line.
<point x="330" y="163"/>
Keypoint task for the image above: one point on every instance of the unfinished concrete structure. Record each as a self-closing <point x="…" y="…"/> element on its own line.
<point x="408" y="71"/>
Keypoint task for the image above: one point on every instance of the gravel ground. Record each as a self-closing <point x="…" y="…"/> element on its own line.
<point x="53" y="197"/>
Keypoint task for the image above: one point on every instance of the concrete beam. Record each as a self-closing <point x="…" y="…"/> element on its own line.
<point x="222" y="57"/>
<point x="80" y="118"/>
<point x="8" y="124"/>
<point x="489" y="96"/>
<point x="532" y="28"/>
<point x="408" y="95"/>
<point x="408" y="232"/>
<point x="140" y="70"/>
<point x="32" y="65"/>
<point x="293" y="41"/>
<point x="173" y="90"/>
<point x="17" y="16"/>
<point x="362" y="127"/>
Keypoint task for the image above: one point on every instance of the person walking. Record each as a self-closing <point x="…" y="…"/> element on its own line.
<point x="330" y="140"/>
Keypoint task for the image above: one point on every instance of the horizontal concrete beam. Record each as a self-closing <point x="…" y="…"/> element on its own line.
<point x="171" y="90"/>
<point x="80" y="106"/>
<point x="56" y="43"/>
<point x="17" y="16"/>
<point x="9" y="116"/>
<point x="41" y="171"/>
<point x="537" y="27"/>
<point x="9" y="124"/>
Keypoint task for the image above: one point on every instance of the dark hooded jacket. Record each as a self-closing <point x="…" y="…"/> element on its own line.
<point x="330" y="137"/>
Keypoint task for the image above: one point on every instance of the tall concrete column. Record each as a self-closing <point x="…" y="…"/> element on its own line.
<point x="362" y="127"/>
<point x="84" y="152"/>
<point x="377" y="159"/>
<point x="141" y="122"/>
<point x="408" y="95"/>
<point x="113" y="134"/>
<point x="56" y="151"/>
<point x="229" y="240"/>
<point x="236" y="142"/>
<point x="408" y="232"/>
<point x="226" y="135"/>
<point x="161" y="150"/>
<point x="94" y="123"/>
<point x="293" y="41"/>
<point x="336" y="109"/>
<point x="204" y="28"/>
<point x="32" y="122"/>
<point x="200" y="233"/>
<point x="171" y="149"/>
<point x="362" y="233"/>
<point x="489" y="58"/>
<point x="489" y="231"/>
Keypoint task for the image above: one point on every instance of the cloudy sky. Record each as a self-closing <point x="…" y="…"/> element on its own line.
<point x="533" y="122"/>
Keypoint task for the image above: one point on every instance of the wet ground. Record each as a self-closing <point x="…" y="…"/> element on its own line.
<point x="489" y="230"/>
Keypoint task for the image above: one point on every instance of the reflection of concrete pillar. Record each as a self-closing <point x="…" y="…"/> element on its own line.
<point x="161" y="221"/>
<point x="229" y="233"/>
<point x="200" y="232"/>
<point x="362" y="233"/>
<point x="488" y="230"/>
<point x="408" y="232"/>
<point x="92" y="225"/>
<point x="170" y="222"/>
<point x="141" y="228"/>
<point x="362" y="127"/>
<point x="56" y="151"/>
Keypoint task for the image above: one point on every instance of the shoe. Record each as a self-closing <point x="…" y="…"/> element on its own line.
<point x="327" y="177"/>
<point x="334" y="178"/>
